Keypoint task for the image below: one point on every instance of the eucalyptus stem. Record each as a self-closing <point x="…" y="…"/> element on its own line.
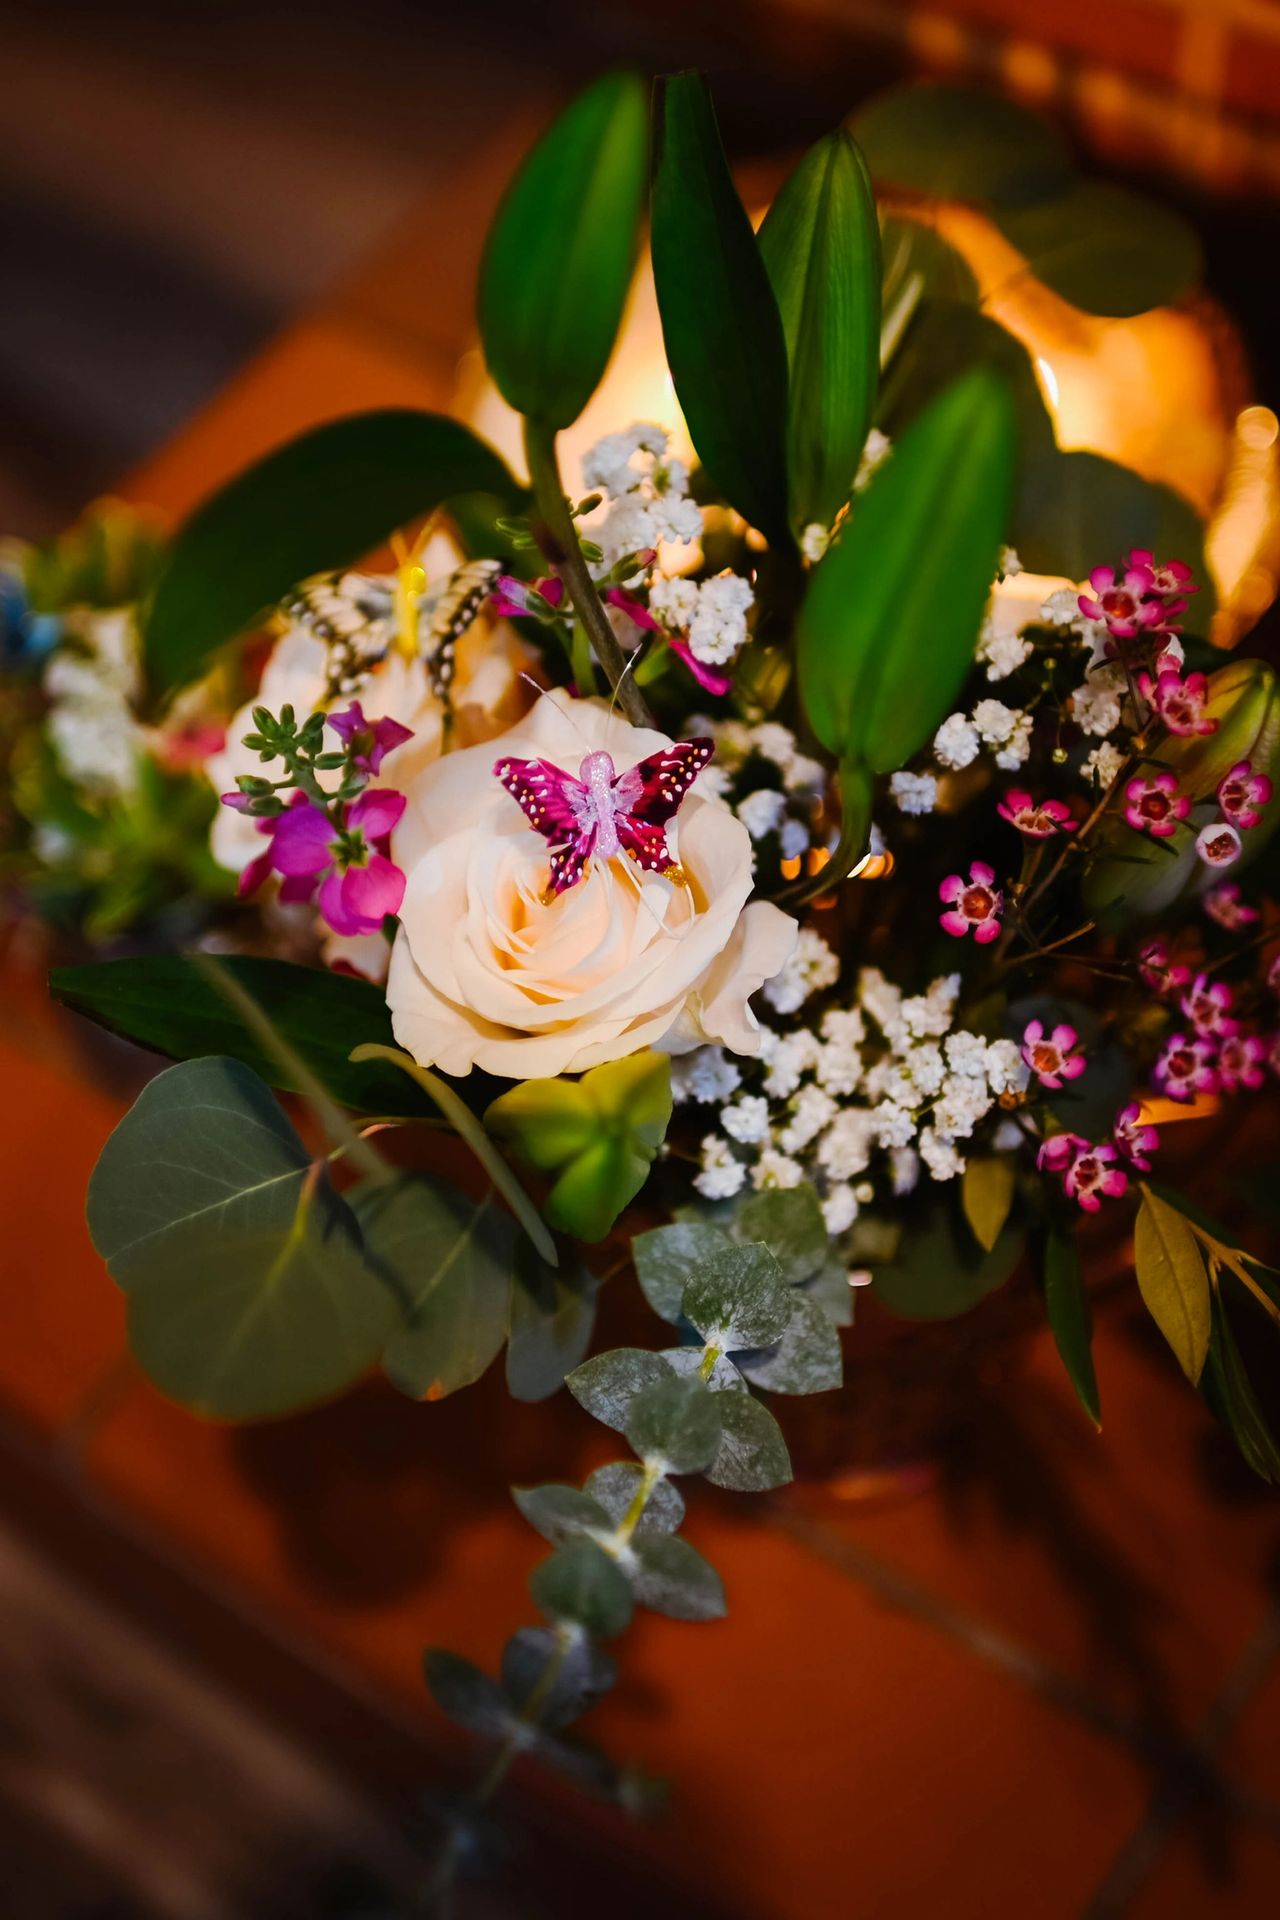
<point x="561" y="547"/>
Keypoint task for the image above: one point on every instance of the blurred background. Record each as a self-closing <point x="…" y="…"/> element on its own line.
<point x="1046" y="1680"/>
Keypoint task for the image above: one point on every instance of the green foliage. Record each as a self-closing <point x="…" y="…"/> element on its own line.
<point x="584" y="1673"/>
<point x="319" y="502"/>
<point x="1105" y="249"/>
<point x="986" y="1191"/>
<point x="672" y="1577"/>
<point x="582" y="1583"/>
<point x="616" y="1487"/>
<point x="939" y="1272"/>
<point x="1229" y="1394"/>
<point x="249" y="1291"/>
<point x="558" y="1512"/>
<point x="752" y="1456"/>
<point x="597" y="1136"/>
<point x="466" y="1693"/>
<point x="738" y="1298"/>
<point x="789" y="1221"/>
<point x="820" y="242"/>
<point x="805" y="1358"/>
<point x="449" y="1259"/>
<point x="720" y="322"/>
<point x="1173" y="1281"/>
<point x="676" y="1423"/>
<point x="666" y="1256"/>
<point x="888" y="626"/>
<point x="559" y="257"/>
<point x="608" y="1383"/>
<point x="552" y="1313"/>
<point x="1070" y="1322"/>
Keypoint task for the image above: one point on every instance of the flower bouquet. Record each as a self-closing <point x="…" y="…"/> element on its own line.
<point x="747" y="883"/>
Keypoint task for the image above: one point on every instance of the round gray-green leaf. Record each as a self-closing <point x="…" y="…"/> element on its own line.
<point x="955" y="143"/>
<point x="678" y="1422"/>
<point x="673" y="1578"/>
<point x="615" y="1487"/>
<point x="582" y="1583"/>
<point x="558" y="1511"/>
<point x="607" y="1384"/>
<point x="666" y="1256"/>
<point x="1105" y="249"/>
<point x="738" y="1298"/>
<point x="807" y="1359"/>
<point x="558" y="261"/>
<point x="752" y="1456"/>
<point x="584" y="1673"/>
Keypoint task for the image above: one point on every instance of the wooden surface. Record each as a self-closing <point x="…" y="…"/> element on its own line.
<point x="963" y="1701"/>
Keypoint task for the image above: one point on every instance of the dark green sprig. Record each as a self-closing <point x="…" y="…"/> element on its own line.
<point x="300" y="747"/>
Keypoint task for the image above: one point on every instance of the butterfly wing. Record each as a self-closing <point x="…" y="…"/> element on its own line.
<point x="447" y="615"/>
<point x="648" y="795"/>
<point x="555" y="805"/>
<point x="352" y="614"/>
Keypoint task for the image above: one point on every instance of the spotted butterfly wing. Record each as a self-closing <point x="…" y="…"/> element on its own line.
<point x="558" y="807"/>
<point x="352" y="613"/>
<point x="648" y="796"/>
<point x="447" y="616"/>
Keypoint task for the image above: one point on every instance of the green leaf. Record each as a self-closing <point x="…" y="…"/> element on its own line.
<point x="720" y="322"/>
<point x="938" y="1272"/>
<point x="690" y="1362"/>
<point x="820" y="242"/>
<point x="558" y="1512"/>
<point x="673" y="1578"/>
<point x="986" y="1191"/>
<point x="738" y="1298"/>
<point x="789" y="1221"/>
<point x="584" y="1673"/>
<point x="162" y="1001"/>
<point x="1070" y="1322"/>
<point x="676" y="1422"/>
<point x="451" y="1259"/>
<point x="830" y="1291"/>
<point x="552" y="1313"/>
<point x="1173" y="1281"/>
<point x="1229" y="1393"/>
<point x="1071" y="507"/>
<point x="318" y="502"/>
<point x="249" y="1293"/>
<point x="752" y="1456"/>
<point x="607" y="1384"/>
<point x="956" y="143"/>
<point x="1106" y="249"/>
<point x="616" y="1486"/>
<point x="581" y="1583"/>
<point x="467" y="1694"/>
<point x="889" y="624"/>
<point x="666" y="1256"/>
<point x="807" y="1359"/>
<point x="559" y="257"/>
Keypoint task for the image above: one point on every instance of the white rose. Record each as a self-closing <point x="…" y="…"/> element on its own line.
<point x="485" y="973"/>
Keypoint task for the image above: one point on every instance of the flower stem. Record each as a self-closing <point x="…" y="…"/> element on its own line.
<point x="558" y="538"/>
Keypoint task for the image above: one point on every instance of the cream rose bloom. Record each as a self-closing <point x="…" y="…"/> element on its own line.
<point x="486" y="973"/>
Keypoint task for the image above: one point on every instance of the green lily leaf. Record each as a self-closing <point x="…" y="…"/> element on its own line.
<point x="318" y="502"/>
<point x="720" y="322"/>
<point x="249" y="1291"/>
<point x="820" y="242"/>
<point x="891" y="618"/>
<point x="1173" y="1281"/>
<point x="1067" y="1305"/>
<point x="559" y="258"/>
<point x="597" y="1136"/>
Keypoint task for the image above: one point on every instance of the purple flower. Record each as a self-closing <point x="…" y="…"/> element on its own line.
<point x="368" y="741"/>
<point x="1053" y="1057"/>
<point x="514" y="599"/>
<point x="1038" y="819"/>
<point x="1241" y="1058"/>
<point x="1186" y="1068"/>
<point x="977" y="904"/>
<point x="1088" y="1172"/>
<point x="359" y="884"/>
<point x="1243" y="795"/>
<point x="1135" y="1137"/>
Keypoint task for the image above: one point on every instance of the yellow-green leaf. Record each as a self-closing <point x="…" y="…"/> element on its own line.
<point x="987" y="1194"/>
<point x="1174" y="1281"/>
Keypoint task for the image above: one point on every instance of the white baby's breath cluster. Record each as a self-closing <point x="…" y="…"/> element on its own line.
<point x="861" y="1103"/>
<point x="796" y="781"/>
<point x="1005" y="731"/>
<point x="92" y="682"/>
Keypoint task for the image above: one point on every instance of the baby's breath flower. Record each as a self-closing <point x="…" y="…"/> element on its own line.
<point x="956" y="742"/>
<point x="775" y="1169"/>
<point x="722" y="1174"/>
<point x="914" y="792"/>
<point x="811" y="967"/>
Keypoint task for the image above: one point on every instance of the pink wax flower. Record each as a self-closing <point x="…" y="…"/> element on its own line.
<point x="1155" y="806"/>
<point x="1179" y="702"/>
<point x="1243" y="795"/>
<point x="514" y="599"/>
<point x="1121" y="599"/>
<point x="1208" y="1007"/>
<point x="1186" y="1068"/>
<point x="978" y="904"/>
<point x="1171" y="657"/>
<point x="368" y="741"/>
<point x="1219" y="845"/>
<point x="1088" y="1172"/>
<point x="1038" y="819"/>
<point x="1241" y="1059"/>
<point x="1160" y="973"/>
<point x="1053" y="1057"/>
<point x="1134" y="1137"/>
<point x="359" y="884"/>
<point x="1224" y="904"/>
<point x="1171" y="579"/>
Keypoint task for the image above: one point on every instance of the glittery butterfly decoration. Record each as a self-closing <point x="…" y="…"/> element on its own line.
<point x="604" y="812"/>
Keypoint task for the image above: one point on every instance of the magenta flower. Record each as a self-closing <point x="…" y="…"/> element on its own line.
<point x="1172" y="657"/>
<point x="1241" y="1059"/>
<point x="1053" y="1057"/>
<point x="368" y="741"/>
<point x="1179" y="702"/>
<point x="635" y="609"/>
<point x="707" y="678"/>
<point x="1160" y="973"/>
<point x="1134" y="1137"/>
<point x="359" y="884"/>
<point x="1243" y="795"/>
<point x="514" y="599"/>
<point x="1224" y="904"/>
<point x="1038" y="819"/>
<point x="1186" y="1068"/>
<point x="977" y="905"/>
<point x="1171" y="580"/>
<point x="1208" y="1007"/>
<point x="1088" y="1172"/>
<point x="1121" y="599"/>
<point x="1155" y="806"/>
<point x="1219" y="845"/>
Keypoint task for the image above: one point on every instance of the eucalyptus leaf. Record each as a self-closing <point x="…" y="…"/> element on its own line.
<point x="957" y="143"/>
<point x="986" y="1190"/>
<point x="607" y="1384"/>
<point x="938" y="1272"/>
<point x="319" y="502"/>
<point x="807" y="1358"/>
<point x="692" y="1361"/>
<point x="666" y="1256"/>
<point x="467" y="1694"/>
<point x="1070" y="1322"/>
<point x="738" y="1298"/>
<point x="720" y="322"/>
<point x="615" y="1487"/>
<point x="676" y="1422"/>
<point x="673" y="1578"/>
<point x="1174" y="1281"/>
<point x="583" y="1584"/>
<point x="552" y="1312"/>
<point x="820" y="242"/>
<point x="1106" y="249"/>
<point x="559" y="257"/>
<point x="752" y="1456"/>
<point x="559" y="1511"/>
<point x="790" y="1223"/>
<point x="583" y="1674"/>
<point x="1072" y="508"/>
<point x="451" y="1257"/>
<point x="829" y="1289"/>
